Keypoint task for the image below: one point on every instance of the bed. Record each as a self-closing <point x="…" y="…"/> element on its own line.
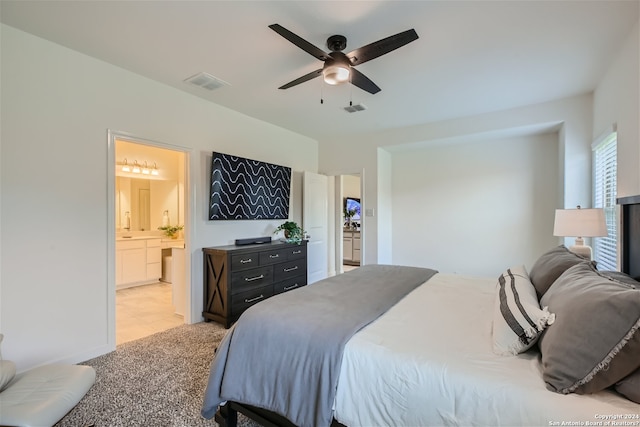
<point x="471" y="358"/>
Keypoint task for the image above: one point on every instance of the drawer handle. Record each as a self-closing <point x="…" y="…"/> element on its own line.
<point x="244" y="261"/>
<point x="288" y="288"/>
<point x="254" y="299"/>
<point x="296" y="252"/>
<point x="274" y="256"/>
<point x="286" y="270"/>
<point x="251" y="279"/>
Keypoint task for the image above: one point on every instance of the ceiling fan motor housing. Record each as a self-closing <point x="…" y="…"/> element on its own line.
<point x="336" y="43"/>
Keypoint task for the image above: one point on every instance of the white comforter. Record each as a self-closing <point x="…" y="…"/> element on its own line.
<point x="429" y="361"/>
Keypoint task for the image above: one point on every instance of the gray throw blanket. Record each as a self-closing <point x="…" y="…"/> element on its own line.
<point x="284" y="354"/>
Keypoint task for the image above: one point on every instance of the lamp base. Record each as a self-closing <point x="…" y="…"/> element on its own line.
<point x="581" y="249"/>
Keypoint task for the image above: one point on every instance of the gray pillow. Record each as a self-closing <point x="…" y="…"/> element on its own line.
<point x="621" y="277"/>
<point x="595" y="339"/>
<point x="550" y="266"/>
<point x="629" y="386"/>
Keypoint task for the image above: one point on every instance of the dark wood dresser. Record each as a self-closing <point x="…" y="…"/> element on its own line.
<point x="236" y="277"/>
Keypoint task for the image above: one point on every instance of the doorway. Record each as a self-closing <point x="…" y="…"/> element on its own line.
<point x="151" y="291"/>
<point x="351" y="223"/>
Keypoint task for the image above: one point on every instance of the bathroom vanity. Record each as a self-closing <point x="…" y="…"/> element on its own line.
<point x="138" y="260"/>
<point x="351" y="247"/>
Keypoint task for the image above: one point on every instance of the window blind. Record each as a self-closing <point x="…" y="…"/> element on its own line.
<point x="605" y="167"/>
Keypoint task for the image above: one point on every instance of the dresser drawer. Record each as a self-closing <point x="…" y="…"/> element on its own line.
<point x="240" y="302"/>
<point x="242" y="262"/>
<point x="290" y="269"/>
<point x="296" y="252"/>
<point x="245" y="280"/>
<point x="289" y="285"/>
<point x="271" y="257"/>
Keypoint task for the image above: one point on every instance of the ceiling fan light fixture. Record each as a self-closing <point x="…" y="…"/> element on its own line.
<point x="336" y="74"/>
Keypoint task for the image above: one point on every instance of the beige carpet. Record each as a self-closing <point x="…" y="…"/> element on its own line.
<point x="154" y="381"/>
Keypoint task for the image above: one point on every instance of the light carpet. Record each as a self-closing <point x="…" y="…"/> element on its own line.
<point x="158" y="380"/>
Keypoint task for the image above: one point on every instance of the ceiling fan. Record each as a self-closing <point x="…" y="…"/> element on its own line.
<point x="338" y="66"/>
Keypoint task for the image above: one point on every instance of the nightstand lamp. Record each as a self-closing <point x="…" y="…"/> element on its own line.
<point x="580" y="223"/>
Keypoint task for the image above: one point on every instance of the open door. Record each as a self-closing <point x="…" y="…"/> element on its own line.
<point x="315" y="218"/>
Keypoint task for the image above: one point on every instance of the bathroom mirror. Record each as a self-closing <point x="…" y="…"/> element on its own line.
<point x="145" y="200"/>
<point x="133" y="195"/>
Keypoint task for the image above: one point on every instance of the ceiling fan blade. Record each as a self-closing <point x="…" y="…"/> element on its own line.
<point x="363" y="82"/>
<point x="381" y="47"/>
<point x="300" y="42"/>
<point x="306" y="77"/>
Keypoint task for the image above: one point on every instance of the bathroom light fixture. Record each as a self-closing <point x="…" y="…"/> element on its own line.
<point x="142" y="167"/>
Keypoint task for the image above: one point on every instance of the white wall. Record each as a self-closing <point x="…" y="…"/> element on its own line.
<point x="616" y="101"/>
<point x="351" y="186"/>
<point x="383" y="217"/>
<point x="475" y="208"/>
<point x="572" y="115"/>
<point x="56" y="107"/>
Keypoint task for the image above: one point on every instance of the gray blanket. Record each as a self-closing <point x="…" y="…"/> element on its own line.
<point x="284" y="354"/>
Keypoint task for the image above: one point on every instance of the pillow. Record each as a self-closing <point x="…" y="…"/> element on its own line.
<point x="629" y="386"/>
<point x="595" y="339"/>
<point x="621" y="277"/>
<point x="517" y="317"/>
<point x="7" y="370"/>
<point x="550" y="266"/>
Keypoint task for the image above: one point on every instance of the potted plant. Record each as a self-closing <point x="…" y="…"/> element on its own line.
<point x="348" y="214"/>
<point x="292" y="231"/>
<point x="171" y="230"/>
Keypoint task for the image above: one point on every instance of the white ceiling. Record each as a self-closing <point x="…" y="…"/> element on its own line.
<point x="472" y="56"/>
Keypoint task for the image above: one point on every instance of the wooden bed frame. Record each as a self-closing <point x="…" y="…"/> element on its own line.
<point x="227" y="415"/>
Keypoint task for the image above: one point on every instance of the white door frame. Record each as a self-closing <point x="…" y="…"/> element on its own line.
<point x="189" y="204"/>
<point x="338" y="219"/>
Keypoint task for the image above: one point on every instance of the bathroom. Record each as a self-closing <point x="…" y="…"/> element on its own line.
<point x="150" y="269"/>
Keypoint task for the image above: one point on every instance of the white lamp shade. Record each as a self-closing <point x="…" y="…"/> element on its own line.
<point x="580" y="223"/>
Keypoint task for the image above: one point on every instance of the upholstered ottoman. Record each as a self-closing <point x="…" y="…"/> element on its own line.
<point x="42" y="396"/>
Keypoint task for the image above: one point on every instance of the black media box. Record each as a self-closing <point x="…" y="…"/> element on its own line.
<point x="253" y="240"/>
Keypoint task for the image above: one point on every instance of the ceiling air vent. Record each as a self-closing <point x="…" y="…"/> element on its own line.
<point x="355" y="108"/>
<point x="206" y="81"/>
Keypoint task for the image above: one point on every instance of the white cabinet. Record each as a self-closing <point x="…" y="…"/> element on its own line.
<point x="356" y="247"/>
<point x="347" y="246"/>
<point x="154" y="260"/>
<point x="138" y="262"/>
<point x="351" y="247"/>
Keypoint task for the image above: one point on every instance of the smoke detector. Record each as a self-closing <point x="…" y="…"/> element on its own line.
<point x="355" y="108"/>
<point x="206" y="81"/>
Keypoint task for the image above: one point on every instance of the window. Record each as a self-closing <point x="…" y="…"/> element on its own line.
<point x="605" y="166"/>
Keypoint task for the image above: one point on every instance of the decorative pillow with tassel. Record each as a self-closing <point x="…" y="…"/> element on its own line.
<point x="595" y="340"/>
<point x="518" y="319"/>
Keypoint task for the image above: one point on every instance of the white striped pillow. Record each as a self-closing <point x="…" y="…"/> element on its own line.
<point x="518" y="319"/>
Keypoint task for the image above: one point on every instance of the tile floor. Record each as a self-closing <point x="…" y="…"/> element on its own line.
<point x="346" y="267"/>
<point x="144" y="310"/>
